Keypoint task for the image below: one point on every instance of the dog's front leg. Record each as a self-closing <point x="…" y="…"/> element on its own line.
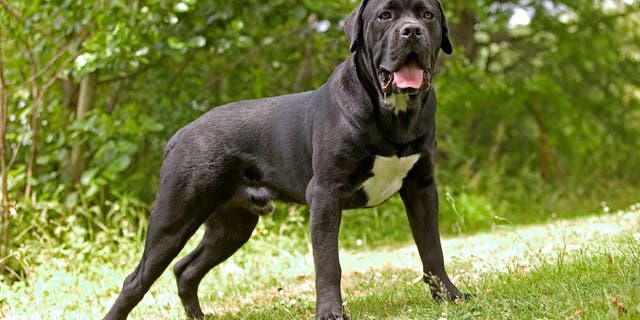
<point x="421" y="202"/>
<point x="326" y="214"/>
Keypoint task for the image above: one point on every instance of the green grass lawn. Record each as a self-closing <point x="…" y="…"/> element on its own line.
<point x="586" y="268"/>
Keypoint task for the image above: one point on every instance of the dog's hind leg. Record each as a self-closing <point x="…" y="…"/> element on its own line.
<point x="226" y="231"/>
<point x="164" y="241"/>
<point x="186" y="199"/>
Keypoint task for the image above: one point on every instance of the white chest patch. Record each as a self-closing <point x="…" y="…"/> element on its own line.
<point x="399" y="102"/>
<point x="388" y="174"/>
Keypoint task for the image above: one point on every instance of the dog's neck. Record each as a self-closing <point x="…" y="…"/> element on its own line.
<point x="363" y="70"/>
<point x="401" y="126"/>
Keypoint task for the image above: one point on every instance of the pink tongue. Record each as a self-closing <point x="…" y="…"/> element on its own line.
<point x="409" y="76"/>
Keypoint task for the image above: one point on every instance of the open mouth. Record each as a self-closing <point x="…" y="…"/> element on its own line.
<point x="408" y="78"/>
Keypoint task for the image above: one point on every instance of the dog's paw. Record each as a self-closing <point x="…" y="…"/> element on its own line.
<point x="441" y="291"/>
<point x="200" y="316"/>
<point x="332" y="316"/>
<point x="465" y="296"/>
<point x="329" y="313"/>
<point x="456" y="296"/>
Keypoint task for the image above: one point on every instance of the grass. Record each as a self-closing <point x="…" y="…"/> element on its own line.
<point x="585" y="268"/>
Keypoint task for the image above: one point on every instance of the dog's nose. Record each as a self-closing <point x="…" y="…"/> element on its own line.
<point x="411" y="31"/>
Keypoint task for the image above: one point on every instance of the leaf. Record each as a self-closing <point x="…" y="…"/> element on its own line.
<point x="316" y="6"/>
<point x="245" y="42"/>
<point x="71" y="200"/>
<point x="83" y="60"/>
<point x="43" y="160"/>
<point x="197" y="42"/>
<point x="237" y="25"/>
<point x="175" y="43"/>
<point x="155" y="127"/>
<point x="88" y="175"/>
<point x="180" y="7"/>
<point x="122" y="163"/>
<point x="93" y="190"/>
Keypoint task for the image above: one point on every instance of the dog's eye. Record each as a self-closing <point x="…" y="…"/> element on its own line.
<point x="428" y="15"/>
<point x="385" y="16"/>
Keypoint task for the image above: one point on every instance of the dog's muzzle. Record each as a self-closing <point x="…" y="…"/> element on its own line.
<point x="408" y="78"/>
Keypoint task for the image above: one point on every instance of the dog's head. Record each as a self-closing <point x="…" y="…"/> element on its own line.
<point x="399" y="41"/>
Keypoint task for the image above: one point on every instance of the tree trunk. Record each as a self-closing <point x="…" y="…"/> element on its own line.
<point x="33" y="148"/>
<point x="86" y="101"/>
<point x="463" y="32"/>
<point x="4" y="202"/>
<point x="305" y="71"/>
<point x="70" y="98"/>
<point x="548" y="159"/>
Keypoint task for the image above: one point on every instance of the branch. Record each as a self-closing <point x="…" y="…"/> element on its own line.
<point x="64" y="49"/>
<point x="11" y="10"/>
<point x="134" y="72"/>
<point x="3" y="117"/>
<point x="39" y="98"/>
<point x="4" y="203"/>
<point x="507" y="37"/>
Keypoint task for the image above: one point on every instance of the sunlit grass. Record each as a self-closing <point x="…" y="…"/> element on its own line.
<point x="579" y="269"/>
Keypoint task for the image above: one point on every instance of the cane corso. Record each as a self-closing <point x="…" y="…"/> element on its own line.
<point x="364" y="135"/>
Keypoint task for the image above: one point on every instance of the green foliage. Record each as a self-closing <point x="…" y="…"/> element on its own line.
<point x="546" y="104"/>
<point x="533" y="119"/>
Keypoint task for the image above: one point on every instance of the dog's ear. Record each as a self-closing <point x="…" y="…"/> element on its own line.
<point x="445" y="45"/>
<point x="353" y="26"/>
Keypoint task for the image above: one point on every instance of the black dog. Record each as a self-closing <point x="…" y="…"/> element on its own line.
<point x="366" y="134"/>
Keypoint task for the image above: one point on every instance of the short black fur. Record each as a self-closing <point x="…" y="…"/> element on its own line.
<point x="319" y="148"/>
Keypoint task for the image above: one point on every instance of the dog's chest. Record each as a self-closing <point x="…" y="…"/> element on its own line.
<point x="388" y="173"/>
